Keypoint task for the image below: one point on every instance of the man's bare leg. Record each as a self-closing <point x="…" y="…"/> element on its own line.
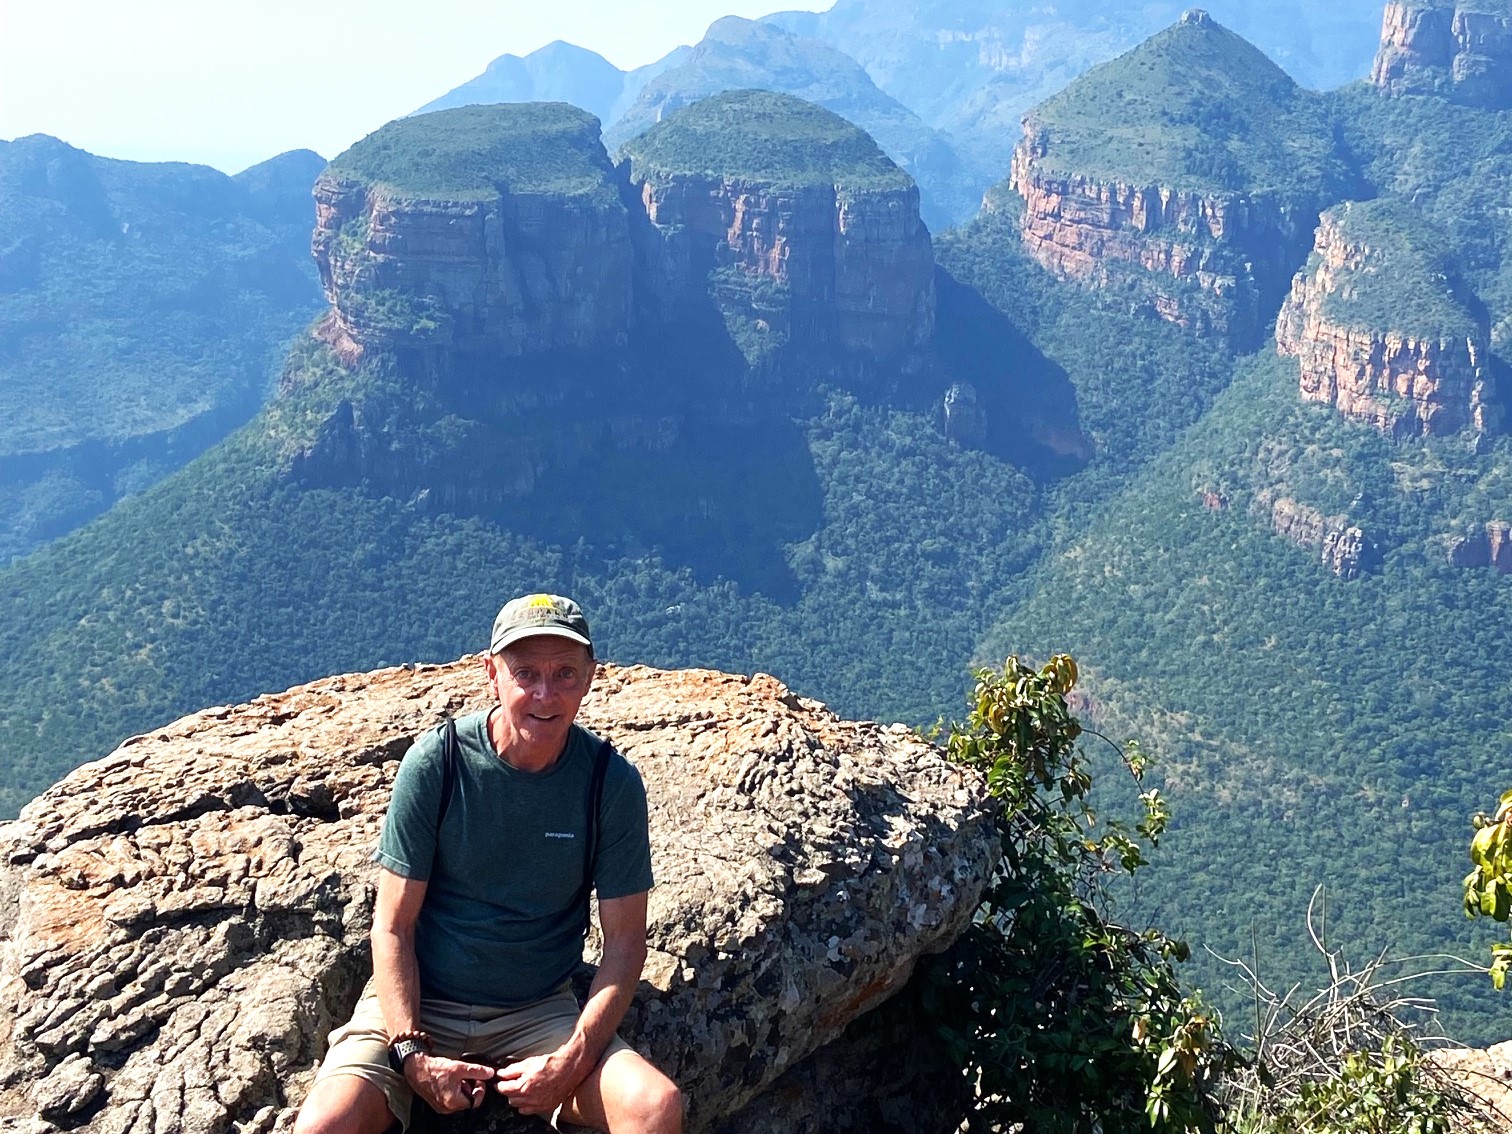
<point x="344" y="1104"/>
<point x="626" y="1095"/>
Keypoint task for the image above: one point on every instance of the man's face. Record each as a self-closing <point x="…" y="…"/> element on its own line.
<point x="540" y="682"/>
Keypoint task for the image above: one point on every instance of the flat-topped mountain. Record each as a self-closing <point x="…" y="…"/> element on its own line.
<point x="806" y="235"/>
<point x="1187" y="173"/>
<point x="482" y="228"/>
<point x="1460" y="49"/>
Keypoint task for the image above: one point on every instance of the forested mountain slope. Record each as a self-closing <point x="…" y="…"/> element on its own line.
<point x="143" y="310"/>
<point x="1302" y="603"/>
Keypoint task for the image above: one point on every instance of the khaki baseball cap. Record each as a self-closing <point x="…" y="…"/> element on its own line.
<point x="532" y="615"/>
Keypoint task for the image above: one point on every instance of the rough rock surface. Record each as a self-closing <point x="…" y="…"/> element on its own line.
<point x="1405" y="385"/>
<point x="1491" y="546"/>
<point x="517" y="274"/>
<point x="185" y="918"/>
<point x="1446" y="48"/>
<point x="1341" y="546"/>
<point x="1486" y="1073"/>
<point x="848" y="269"/>
<point x="1200" y="260"/>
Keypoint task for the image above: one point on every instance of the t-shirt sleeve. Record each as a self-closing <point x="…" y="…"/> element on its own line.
<point x="622" y="862"/>
<point x="407" y="845"/>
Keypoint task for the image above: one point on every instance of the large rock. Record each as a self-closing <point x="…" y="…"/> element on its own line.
<point x="188" y="916"/>
<point x="1461" y="51"/>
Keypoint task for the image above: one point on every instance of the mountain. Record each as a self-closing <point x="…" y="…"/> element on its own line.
<point x="710" y="390"/>
<point x="558" y="72"/>
<point x="1186" y="175"/>
<point x="143" y="309"/>
<point x="740" y="54"/>
<point x="503" y="397"/>
<point x="973" y="68"/>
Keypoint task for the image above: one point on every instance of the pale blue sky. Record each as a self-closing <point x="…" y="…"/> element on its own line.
<point x="231" y="83"/>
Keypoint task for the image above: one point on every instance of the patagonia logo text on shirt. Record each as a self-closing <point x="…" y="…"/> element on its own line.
<point x="560" y="835"/>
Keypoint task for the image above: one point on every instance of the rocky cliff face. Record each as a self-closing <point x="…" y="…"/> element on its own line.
<point x="1490" y="546"/>
<point x="514" y="274"/>
<point x="823" y="265"/>
<point x="1446" y="48"/>
<point x="1406" y="385"/>
<point x="1201" y="260"/>
<point x="185" y="918"/>
<point x="1341" y="546"/>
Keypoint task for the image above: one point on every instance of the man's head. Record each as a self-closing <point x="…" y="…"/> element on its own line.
<point x="540" y="664"/>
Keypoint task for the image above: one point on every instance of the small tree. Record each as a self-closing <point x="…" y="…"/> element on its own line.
<point x="1062" y="1019"/>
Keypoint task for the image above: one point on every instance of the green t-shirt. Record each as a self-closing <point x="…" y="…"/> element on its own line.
<point x="498" y="926"/>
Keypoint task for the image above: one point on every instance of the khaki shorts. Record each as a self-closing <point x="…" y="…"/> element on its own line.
<point x="459" y="1031"/>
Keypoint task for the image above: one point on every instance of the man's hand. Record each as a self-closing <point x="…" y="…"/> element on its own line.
<point x="540" y="1084"/>
<point x="448" y="1085"/>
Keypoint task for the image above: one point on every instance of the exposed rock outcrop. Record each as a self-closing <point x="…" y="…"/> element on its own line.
<point x="525" y="248"/>
<point x="799" y="246"/>
<point x="1200" y="260"/>
<point x="1341" y="546"/>
<point x="186" y="917"/>
<point x="965" y="416"/>
<point x="1405" y="383"/>
<point x="1446" y="47"/>
<point x="1490" y="546"/>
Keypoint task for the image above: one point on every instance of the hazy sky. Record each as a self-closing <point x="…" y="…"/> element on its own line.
<point x="231" y="83"/>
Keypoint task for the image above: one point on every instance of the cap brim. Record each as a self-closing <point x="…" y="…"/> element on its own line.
<point x="520" y="632"/>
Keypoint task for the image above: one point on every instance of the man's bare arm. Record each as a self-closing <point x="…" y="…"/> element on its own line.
<point x="446" y="1084"/>
<point x="541" y="1084"/>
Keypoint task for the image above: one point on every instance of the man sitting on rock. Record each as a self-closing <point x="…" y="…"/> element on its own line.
<point x="481" y="907"/>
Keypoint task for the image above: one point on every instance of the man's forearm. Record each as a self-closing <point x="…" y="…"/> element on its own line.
<point x="608" y="1000"/>
<point x="396" y="978"/>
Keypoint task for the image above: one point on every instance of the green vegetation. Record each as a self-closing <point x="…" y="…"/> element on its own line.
<point x="1488" y="886"/>
<point x="1064" y="1020"/>
<point x="1193" y="107"/>
<point x="760" y="136"/>
<point x="472" y="153"/>
<point x="1399" y="275"/>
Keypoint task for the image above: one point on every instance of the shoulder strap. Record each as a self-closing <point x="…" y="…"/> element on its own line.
<point x="448" y="768"/>
<point x="590" y="849"/>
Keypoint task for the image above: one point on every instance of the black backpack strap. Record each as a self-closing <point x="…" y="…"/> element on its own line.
<point x="448" y="729"/>
<point x="595" y="803"/>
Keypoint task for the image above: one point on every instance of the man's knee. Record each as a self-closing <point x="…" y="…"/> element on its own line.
<point x="344" y="1104"/>
<point x="654" y="1103"/>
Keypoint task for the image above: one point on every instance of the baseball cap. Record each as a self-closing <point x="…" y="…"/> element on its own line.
<point x="532" y="615"/>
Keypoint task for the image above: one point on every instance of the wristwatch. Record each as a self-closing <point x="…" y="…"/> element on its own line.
<point x="400" y="1051"/>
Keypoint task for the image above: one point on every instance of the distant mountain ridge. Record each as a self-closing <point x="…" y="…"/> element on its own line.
<point x="143" y="308"/>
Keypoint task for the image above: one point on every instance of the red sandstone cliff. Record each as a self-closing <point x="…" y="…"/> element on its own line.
<point x="1442" y="47"/>
<point x="1199" y="259"/>
<point x="1405" y="385"/>
<point x="835" y="267"/>
<point x="515" y="274"/>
